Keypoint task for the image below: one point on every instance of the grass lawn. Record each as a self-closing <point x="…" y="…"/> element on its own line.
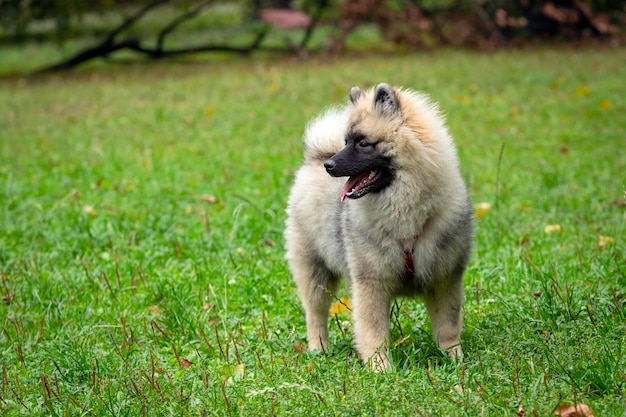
<point x="141" y="250"/>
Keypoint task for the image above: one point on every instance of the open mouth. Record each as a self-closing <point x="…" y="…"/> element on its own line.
<point x="359" y="185"/>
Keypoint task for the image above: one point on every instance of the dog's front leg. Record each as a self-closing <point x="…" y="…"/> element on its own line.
<point x="370" y="310"/>
<point x="316" y="286"/>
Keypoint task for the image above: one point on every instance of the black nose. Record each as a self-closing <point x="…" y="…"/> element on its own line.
<point x="329" y="164"/>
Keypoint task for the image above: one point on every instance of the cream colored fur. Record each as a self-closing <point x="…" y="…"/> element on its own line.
<point x="364" y="239"/>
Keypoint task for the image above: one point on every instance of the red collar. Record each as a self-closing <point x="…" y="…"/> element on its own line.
<point x="409" y="266"/>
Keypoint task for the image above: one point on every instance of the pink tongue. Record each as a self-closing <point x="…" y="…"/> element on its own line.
<point x="352" y="184"/>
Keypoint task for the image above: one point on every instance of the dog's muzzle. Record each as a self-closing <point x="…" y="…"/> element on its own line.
<point x="330" y="165"/>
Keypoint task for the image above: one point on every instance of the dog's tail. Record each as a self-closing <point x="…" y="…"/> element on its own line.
<point x="324" y="135"/>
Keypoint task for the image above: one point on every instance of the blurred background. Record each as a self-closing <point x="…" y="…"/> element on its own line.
<point x="62" y="34"/>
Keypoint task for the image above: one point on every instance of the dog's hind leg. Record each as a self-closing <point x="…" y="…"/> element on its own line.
<point x="444" y="302"/>
<point x="317" y="286"/>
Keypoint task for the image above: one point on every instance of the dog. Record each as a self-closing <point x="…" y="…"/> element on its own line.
<point x="400" y="225"/>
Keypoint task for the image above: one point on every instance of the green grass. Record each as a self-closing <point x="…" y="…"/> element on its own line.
<point x="141" y="222"/>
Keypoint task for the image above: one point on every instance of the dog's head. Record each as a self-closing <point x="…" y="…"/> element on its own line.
<point x="367" y="158"/>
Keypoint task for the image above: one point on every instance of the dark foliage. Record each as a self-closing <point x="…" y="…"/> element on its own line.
<point x="486" y="24"/>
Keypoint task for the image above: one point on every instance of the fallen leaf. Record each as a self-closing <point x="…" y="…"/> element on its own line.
<point x="620" y="202"/>
<point x="310" y="366"/>
<point x="209" y="111"/>
<point x="340" y="306"/>
<point x="463" y="99"/>
<point x="299" y="347"/>
<point x="481" y="209"/>
<point x="556" y="84"/>
<point x="185" y="363"/>
<point x="605" y="104"/>
<point x="154" y="309"/>
<point x="74" y="194"/>
<point x="240" y="370"/>
<point x="604" y="241"/>
<point x="90" y="210"/>
<point x="271" y="87"/>
<point x="583" y="90"/>
<point x="7" y="298"/>
<point x="577" y="410"/>
<point x="553" y="228"/>
<point x="207" y="198"/>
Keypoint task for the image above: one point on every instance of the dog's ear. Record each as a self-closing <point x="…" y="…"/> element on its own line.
<point x="355" y="94"/>
<point x="385" y="99"/>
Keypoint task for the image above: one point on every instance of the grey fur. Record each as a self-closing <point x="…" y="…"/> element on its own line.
<point x="355" y="93"/>
<point x="425" y="210"/>
<point x="385" y="98"/>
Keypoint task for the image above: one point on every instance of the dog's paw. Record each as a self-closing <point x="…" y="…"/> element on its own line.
<point x="455" y="352"/>
<point x="380" y="361"/>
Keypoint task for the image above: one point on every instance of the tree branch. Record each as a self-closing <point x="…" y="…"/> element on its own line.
<point x="180" y="19"/>
<point x="132" y="19"/>
<point x="156" y="53"/>
<point x="101" y="50"/>
<point x="321" y="6"/>
<point x="110" y="44"/>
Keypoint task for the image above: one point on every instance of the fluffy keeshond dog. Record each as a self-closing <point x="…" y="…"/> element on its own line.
<point x="399" y="225"/>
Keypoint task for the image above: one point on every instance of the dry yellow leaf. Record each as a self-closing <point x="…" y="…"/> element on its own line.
<point x="155" y="309"/>
<point x="605" y="104"/>
<point x="240" y="370"/>
<point x="463" y="99"/>
<point x="208" y="198"/>
<point x="90" y="210"/>
<point x="340" y="306"/>
<point x="604" y="241"/>
<point x="481" y="209"/>
<point x="271" y="87"/>
<point x="553" y="228"/>
<point x="583" y="90"/>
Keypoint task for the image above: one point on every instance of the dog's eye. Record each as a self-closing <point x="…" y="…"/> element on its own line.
<point x="365" y="144"/>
